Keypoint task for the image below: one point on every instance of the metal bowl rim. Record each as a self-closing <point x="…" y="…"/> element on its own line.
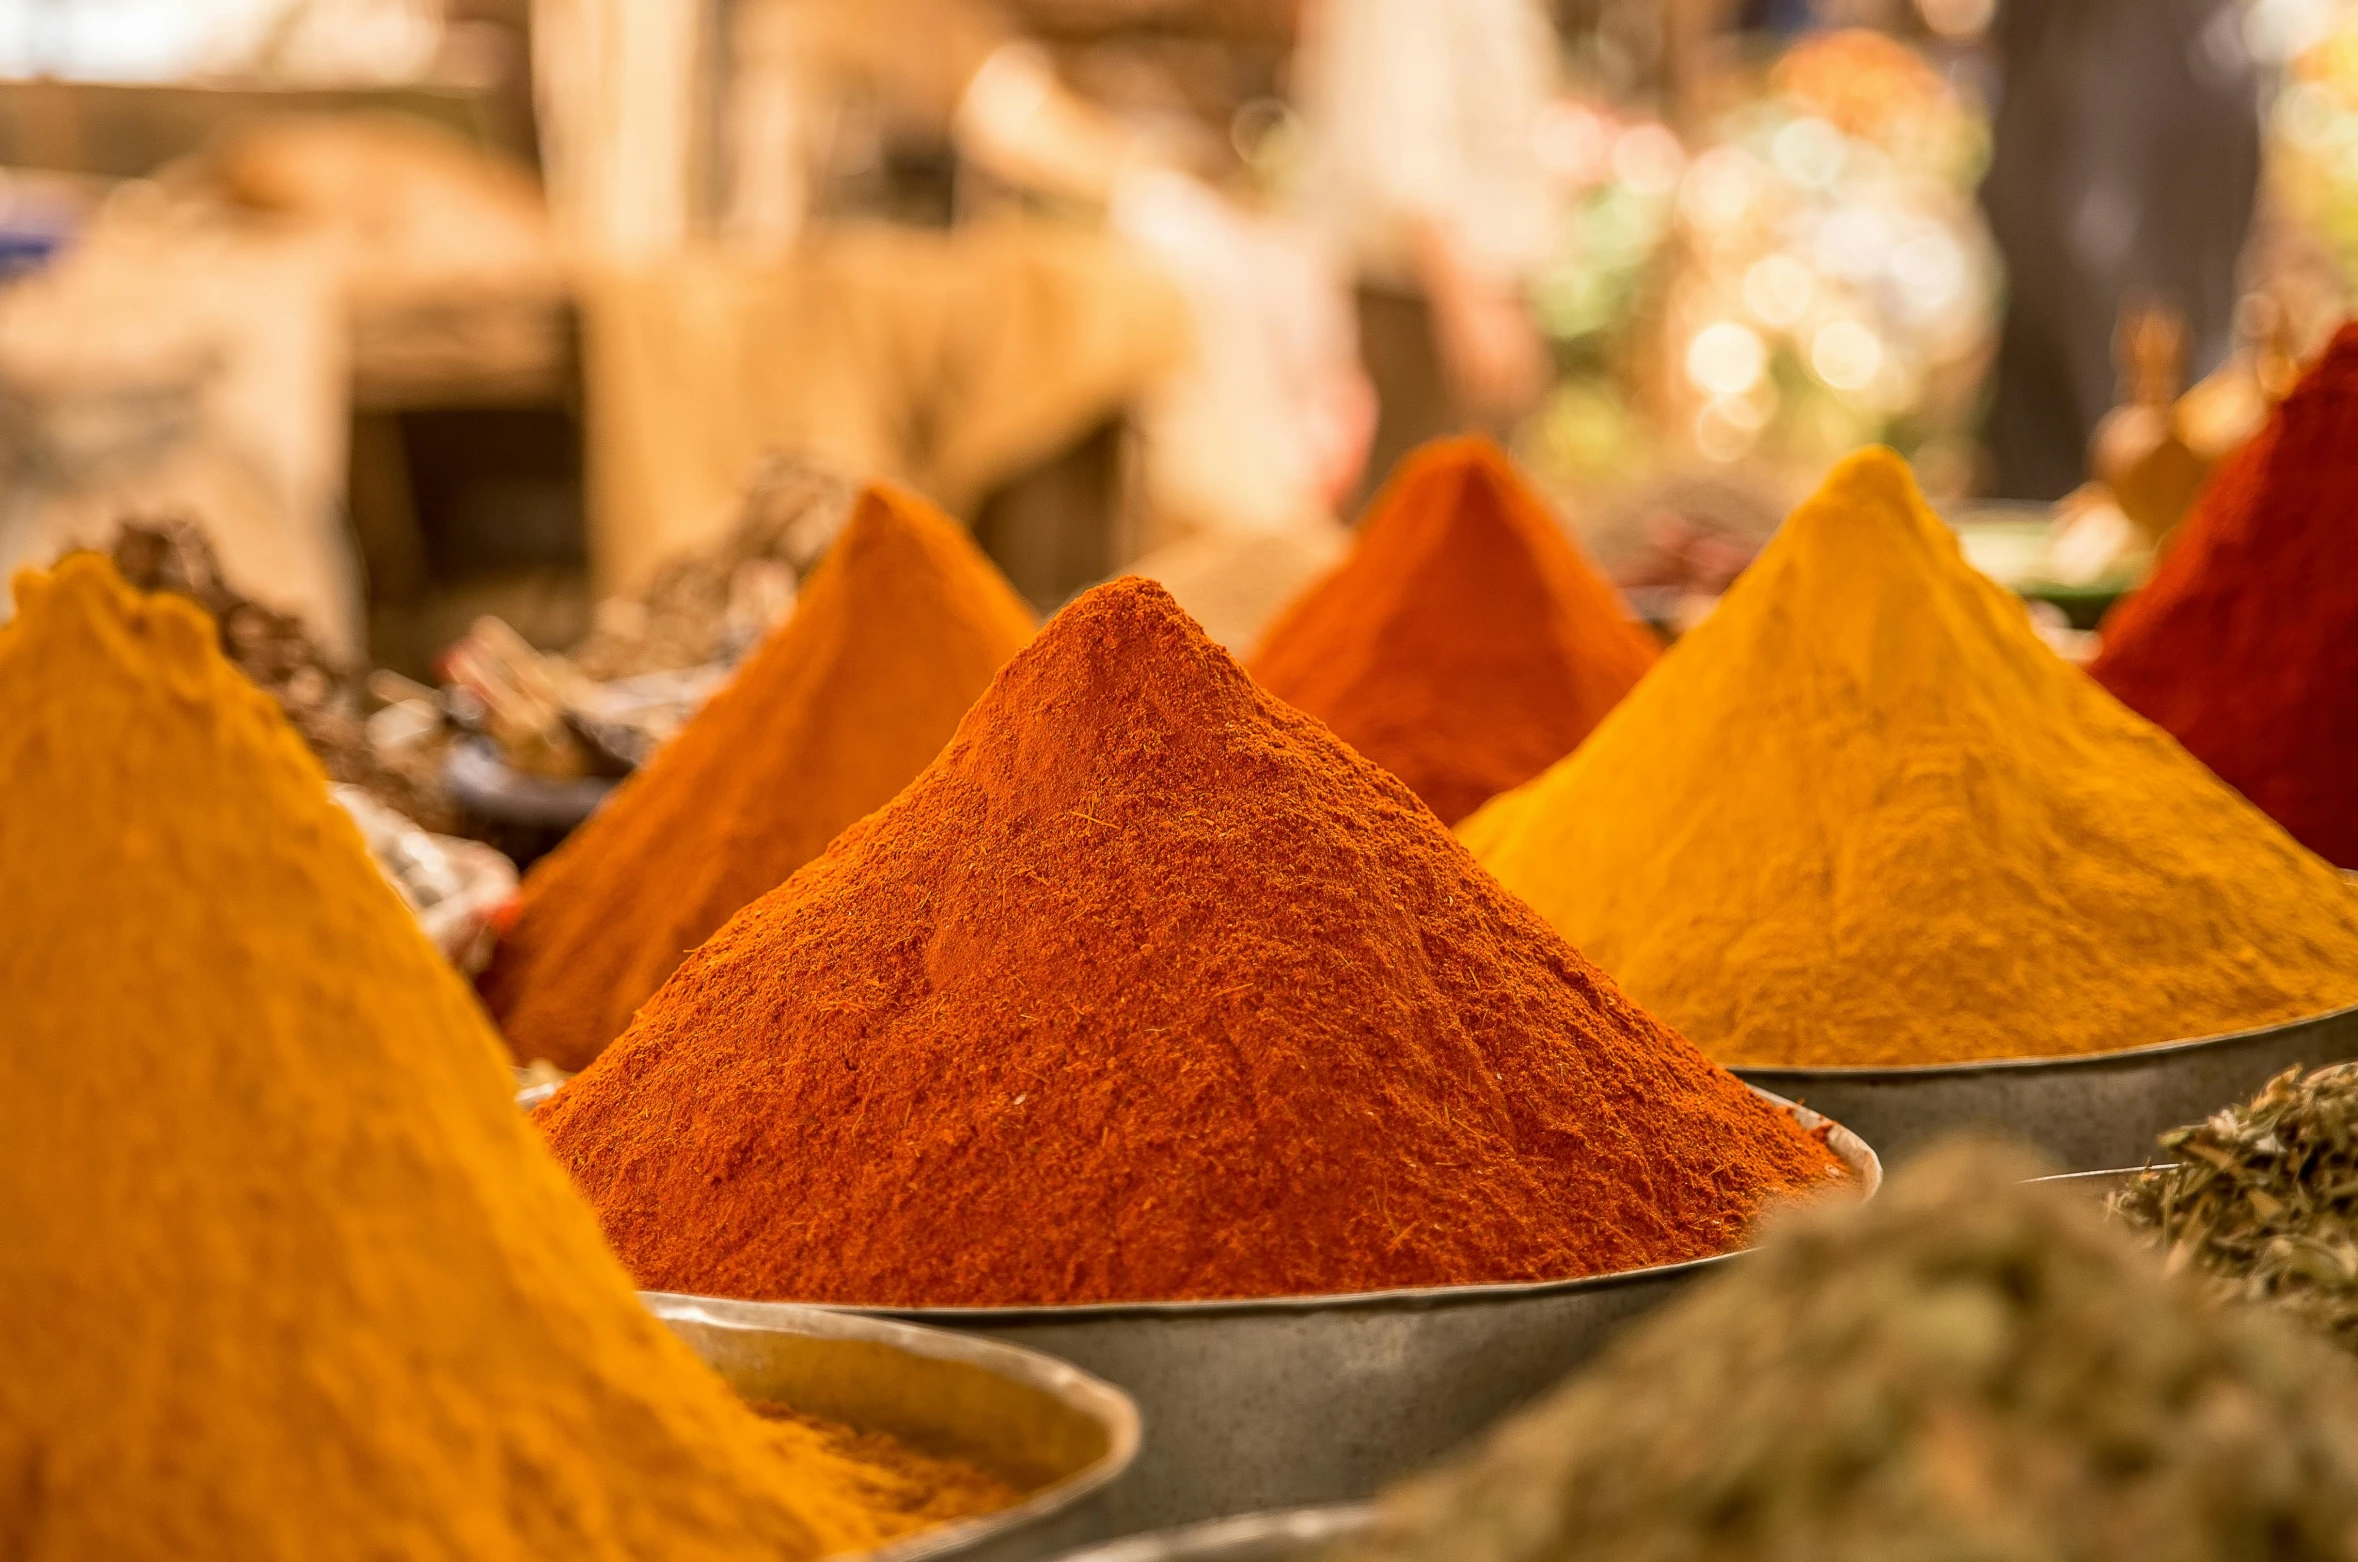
<point x="1855" y="1153"/>
<point x="1789" y="1073"/>
<point x="1085" y="1392"/>
<point x="2123" y="1172"/>
<point x="1311" y="1526"/>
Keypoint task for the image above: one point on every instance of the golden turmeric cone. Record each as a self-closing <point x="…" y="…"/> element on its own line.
<point x="283" y="1272"/>
<point x="1863" y="815"/>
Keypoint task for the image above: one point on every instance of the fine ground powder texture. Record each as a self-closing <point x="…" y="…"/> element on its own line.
<point x="285" y="1274"/>
<point x="898" y="631"/>
<point x="1149" y="987"/>
<point x="2245" y="642"/>
<point x="1465" y="644"/>
<point x="1863" y="816"/>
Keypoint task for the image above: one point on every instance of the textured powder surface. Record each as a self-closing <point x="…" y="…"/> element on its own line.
<point x="1465" y="645"/>
<point x="1862" y="816"/>
<point x="284" y="1274"/>
<point x="896" y="635"/>
<point x="2245" y="642"/>
<point x="1970" y="1368"/>
<point x="1151" y="988"/>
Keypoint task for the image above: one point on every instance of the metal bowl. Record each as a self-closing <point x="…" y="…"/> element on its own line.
<point x="1055" y="1432"/>
<point x="1291" y="1402"/>
<point x="1295" y="1536"/>
<point x="2087" y="1112"/>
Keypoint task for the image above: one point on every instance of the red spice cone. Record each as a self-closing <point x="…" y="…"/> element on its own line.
<point x="2244" y="645"/>
<point x="897" y="632"/>
<point x="1465" y="645"/>
<point x="1151" y="987"/>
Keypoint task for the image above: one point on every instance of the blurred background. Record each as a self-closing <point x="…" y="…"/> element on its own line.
<point x="459" y="332"/>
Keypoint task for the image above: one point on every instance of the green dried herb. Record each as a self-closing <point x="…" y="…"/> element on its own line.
<point x="2264" y="1198"/>
<point x="1965" y="1369"/>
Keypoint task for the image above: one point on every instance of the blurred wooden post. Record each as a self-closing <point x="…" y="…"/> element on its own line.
<point x="616" y="84"/>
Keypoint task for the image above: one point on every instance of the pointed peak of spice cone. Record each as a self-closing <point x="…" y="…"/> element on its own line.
<point x="1869" y="500"/>
<point x="1465" y="644"/>
<point x="287" y="1274"/>
<point x="897" y="632"/>
<point x="1150" y="987"/>
<point x="2244" y="644"/>
<point x="1862" y="815"/>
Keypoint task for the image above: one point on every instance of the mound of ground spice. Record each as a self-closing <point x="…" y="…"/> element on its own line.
<point x="285" y="1274"/>
<point x="2244" y="645"/>
<point x="1149" y="987"/>
<point x="1862" y="815"/>
<point x="1465" y="645"/>
<point x="1970" y="1366"/>
<point x="898" y="631"/>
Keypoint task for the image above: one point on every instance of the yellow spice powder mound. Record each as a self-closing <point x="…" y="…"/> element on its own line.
<point x="1863" y="815"/>
<point x="283" y="1272"/>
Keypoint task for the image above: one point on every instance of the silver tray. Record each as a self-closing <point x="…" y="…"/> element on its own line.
<point x="1056" y="1432"/>
<point x="2088" y="1113"/>
<point x="1295" y="1536"/>
<point x="1293" y="1402"/>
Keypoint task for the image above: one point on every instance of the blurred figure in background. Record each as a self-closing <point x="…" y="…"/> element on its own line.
<point x="1043" y="265"/>
<point x="2126" y="165"/>
<point x="1423" y="173"/>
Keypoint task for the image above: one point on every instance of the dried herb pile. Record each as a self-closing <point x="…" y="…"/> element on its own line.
<point x="716" y="604"/>
<point x="1965" y="1369"/>
<point x="2264" y="1197"/>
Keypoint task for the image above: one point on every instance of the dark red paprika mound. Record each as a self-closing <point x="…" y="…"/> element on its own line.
<point x="1465" y="645"/>
<point x="1149" y="987"/>
<point x="2244" y="645"/>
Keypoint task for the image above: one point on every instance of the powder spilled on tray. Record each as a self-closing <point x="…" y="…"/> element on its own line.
<point x="1861" y="815"/>
<point x="898" y="631"/>
<point x="2244" y="645"/>
<point x="1149" y="987"/>
<point x="1465" y="644"/>
<point x="286" y="1275"/>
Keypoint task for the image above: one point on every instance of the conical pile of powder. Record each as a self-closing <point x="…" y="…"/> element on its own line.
<point x="1863" y="816"/>
<point x="2245" y="642"/>
<point x="898" y="632"/>
<point x="1465" y="645"/>
<point x="284" y="1273"/>
<point x="1149" y="987"/>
